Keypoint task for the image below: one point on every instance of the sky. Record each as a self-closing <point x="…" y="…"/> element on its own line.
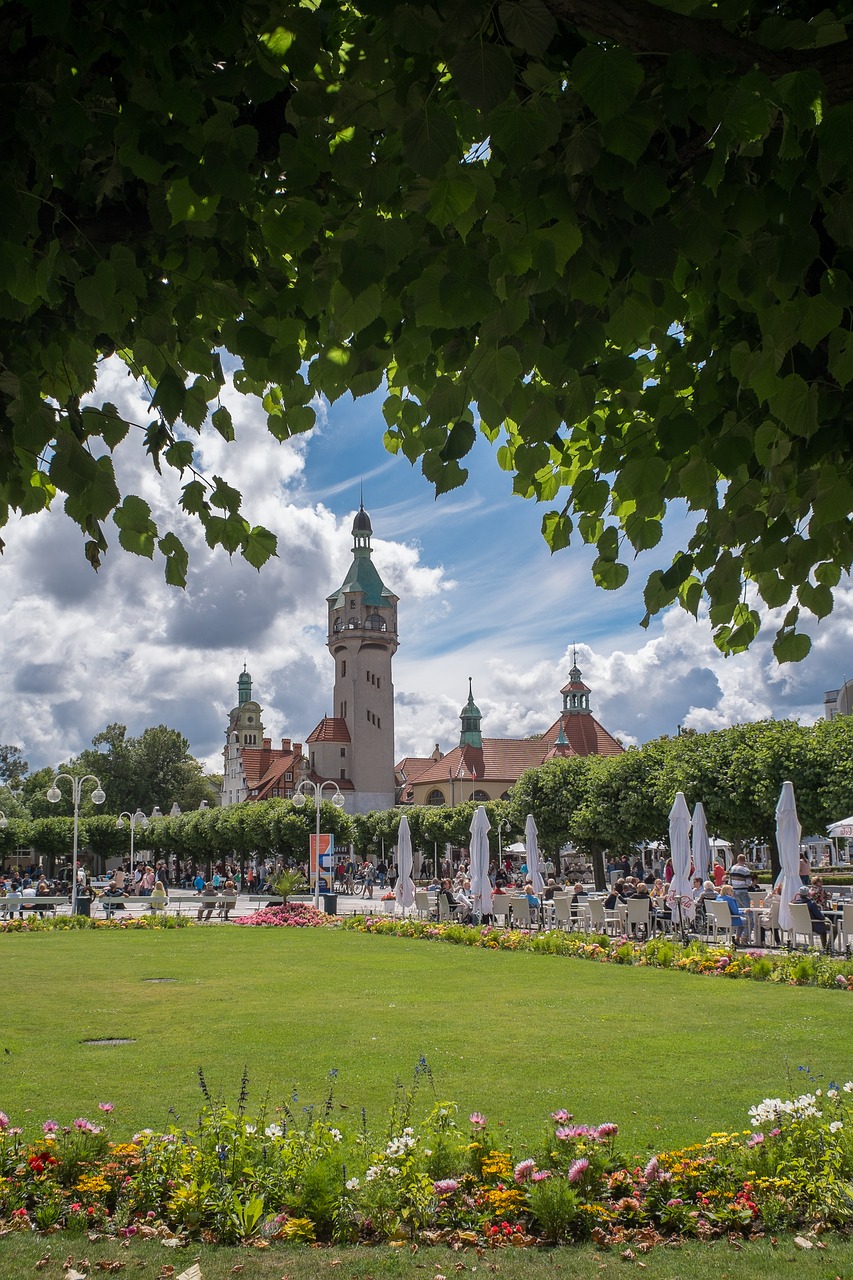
<point x="480" y="596"/>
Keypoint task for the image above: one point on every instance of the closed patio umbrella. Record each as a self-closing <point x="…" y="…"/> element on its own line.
<point x="679" y="895"/>
<point x="700" y="843"/>
<point x="404" y="889"/>
<point x="478" y="868"/>
<point x="788" y="832"/>
<point x="531" y="839"/>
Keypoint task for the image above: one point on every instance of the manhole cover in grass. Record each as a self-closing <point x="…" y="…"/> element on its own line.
<point x="159" y="979"/>
<point x="110" y="1040"/>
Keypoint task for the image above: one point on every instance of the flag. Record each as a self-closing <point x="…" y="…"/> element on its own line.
<point x="474" y="775"/>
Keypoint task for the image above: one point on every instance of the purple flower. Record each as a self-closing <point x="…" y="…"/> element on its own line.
<point x="477" y="1119"/>
<point x="577" y="1169"/>
<point x="49" y="1126"/>
<point x="607" y="1130"/>
<point x="652" y="1171"/>
<point x="523" y="1170"/>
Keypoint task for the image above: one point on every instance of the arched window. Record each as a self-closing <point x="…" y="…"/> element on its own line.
<point x="436" y="797"/>
<point x="339" y="626"/>
<point x="353" y="622"/>
<point x="374" y="622"/>
<point x="479" y="797"/>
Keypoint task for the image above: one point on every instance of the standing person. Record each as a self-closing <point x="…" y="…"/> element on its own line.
<point x="162" y="876"/>
<point x="369" y="878"/>
<point x="805" y="869"/>
<point x="381" y="872"/>
<point x="719" y="870"/>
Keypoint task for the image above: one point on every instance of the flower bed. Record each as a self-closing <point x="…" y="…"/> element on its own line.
<point x="796" y="968"/>
<point x="275" y="1176"/>
<point x="33" y="924"/>
<point x="292" y="915"/>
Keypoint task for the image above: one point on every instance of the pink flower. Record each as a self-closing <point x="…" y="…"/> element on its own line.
<point x="774" y="1133"/>
<point x="523" y="1170"/>
<point x="561" y="1116"/>
<point x="105" y="1106"/>
<point x="577" y="1169"/>
<point x="841" y="980"/>
<point x="539" y="1175"/>
<point x="49" y="1126"/>
<point x="755" y="1140"/>
<point x="4" y="1120"/>
<point x="477" y="1119"/>
<point x="445" y="1186"/>
<point x="607" y="1130"/>
<point x="652" y="1172"/>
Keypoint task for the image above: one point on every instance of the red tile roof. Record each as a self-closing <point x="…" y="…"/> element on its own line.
<point x="498" y="760"/>
<point x="585" y="736"/>
<point x="412" y="767"/>
<point x="330" y="729"/>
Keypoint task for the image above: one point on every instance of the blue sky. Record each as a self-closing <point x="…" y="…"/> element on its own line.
<point x="480" y="595"/>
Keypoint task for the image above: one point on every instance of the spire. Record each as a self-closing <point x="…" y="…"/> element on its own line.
<point x="244" y="687"/>
<point x="361" y="531"/>
<point x="470" y="717"/>
<point x="575" y="693"/>
<point x="575" y="673"/>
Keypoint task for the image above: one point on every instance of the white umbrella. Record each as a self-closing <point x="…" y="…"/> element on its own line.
<point x="478" y="850"/>
<point x="404" y="889"/>
<point x="843" y="828"/>
<point x="788" y="832"/>
<point x="700" y="843"/>
<point x="679" y="895"/>
<point x="531" y="839"/>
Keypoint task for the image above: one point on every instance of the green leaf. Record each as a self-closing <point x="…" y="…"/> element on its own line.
<point x="96" y="292"/>
<point x="772" y="445"/>
<point x="221" y="419"/>
<point x="259" y="546"/>
<point x="170" y="395"/>
<point x="557" y="530"/>
<point x="819" y="317"/>
<point x="497" y="372"/>
<point x="180" y="454"/>
<point x="796" y="405"/>
<point x="483" y="74"/>
<point x="791" y="646"/>
<point x="443" y="475"/>
<point x="607" y="79"/>
<point x="529" y="24"/>
<point x="137" y="531"/>
<point x="177" y="560"/>
<point x="429" y="139"/>
<point x="841" y="356"/>
<point x="452" y="195"/>
<point x="609" y="574"/>
<point x="186" y="205"/>
<point x="460" y="441"/>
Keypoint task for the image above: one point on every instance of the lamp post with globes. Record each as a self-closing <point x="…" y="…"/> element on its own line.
<point x="316" y="789"/>
<point x="54" y="795"/>
<point x="503" y="825"/>
<point x="134" y="819"/>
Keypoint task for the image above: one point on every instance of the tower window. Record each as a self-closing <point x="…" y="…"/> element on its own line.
<point x="378" y="683"/>
<point x="352" y="604"/>
<point x="379" y="722"/>
<point x="435" y="797"/>
<point x="343" y="669"/>
<point x="343" y="753"/>
<point x="343" y="773"/>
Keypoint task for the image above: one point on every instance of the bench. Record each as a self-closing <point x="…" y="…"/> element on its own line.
<point x="111" y="903"/>
<point x="262" y="900"/>
<point x="34" y="904"/>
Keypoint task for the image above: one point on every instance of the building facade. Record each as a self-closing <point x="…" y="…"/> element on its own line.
<point x="354" y="746"/>
<point x="482" y="769"/>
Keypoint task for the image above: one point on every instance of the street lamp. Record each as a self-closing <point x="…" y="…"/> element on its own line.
<point x="3" y="821"/>
<point x="316" y="789"/>
<point x="503" y="825"/>
<point x="54" y="795"/>
<point x="133" y="819"/>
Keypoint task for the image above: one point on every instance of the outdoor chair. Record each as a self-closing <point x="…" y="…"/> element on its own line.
<point x="562" y="912"/>
<point x="845" y="926"/>
<point x="616" y="919"/>
<point x="521" y="914"/>
<point x="501" y="908"/>
<point x="596" y="917"/>
<point x="720" y="919"/>
<point x="638" y="914"/>
<point x="445" y="911"/>
<point x="772" y="925"/>
<point x="803" y="926"/>
<point x="422" y="903"/>
<point x="579" y="916"/>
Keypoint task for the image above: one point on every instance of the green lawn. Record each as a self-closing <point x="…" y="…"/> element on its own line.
<point x="669" y="1056"/>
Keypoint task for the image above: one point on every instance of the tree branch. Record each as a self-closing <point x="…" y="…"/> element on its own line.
<point x="646" y="27"/>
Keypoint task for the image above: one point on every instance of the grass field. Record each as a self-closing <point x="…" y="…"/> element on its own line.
<point x="670" y="1057"/>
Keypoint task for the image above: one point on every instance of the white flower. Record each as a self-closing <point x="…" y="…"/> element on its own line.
<point x="273" y="1131"/>
<point x="848" y="1088"/>
<point x="251" y="1128"/>
<point x="832" y="1093"/>
<point x="836" y="1126"/>
<point x="336" y="1135"/>
<point x="393" y="1171"/>
<point x="373" y="1172"/>
<point x="352" y="1184"/>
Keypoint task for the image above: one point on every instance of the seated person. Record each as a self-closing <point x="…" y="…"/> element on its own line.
<point x="158" y="897"/>
<point x="550" y="890"/>
<point x="820" y="924"/>
<point x="616" y="895"/>
<point x="209" y="896"/>
<point x="531" y="897"/>
<point x="726" y="894"/>
<point x="819" y="893"/>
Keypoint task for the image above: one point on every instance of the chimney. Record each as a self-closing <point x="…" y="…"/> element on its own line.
<point x="285" y="744"/>
<point x="297" y="750"/>
<point x="267" y="744"/>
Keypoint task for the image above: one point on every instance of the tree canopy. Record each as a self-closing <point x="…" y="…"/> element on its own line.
<point x="614" y="238"/>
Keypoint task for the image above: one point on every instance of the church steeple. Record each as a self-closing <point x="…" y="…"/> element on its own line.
<point x="471" y="718"/>
<point x="244" y="687"/>
<point x="575" y="693"/>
